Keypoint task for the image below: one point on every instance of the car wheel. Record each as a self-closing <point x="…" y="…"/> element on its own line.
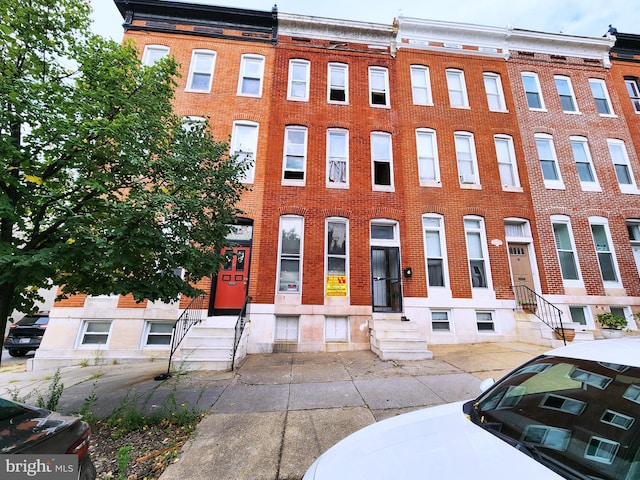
<point x="18" y="353"/>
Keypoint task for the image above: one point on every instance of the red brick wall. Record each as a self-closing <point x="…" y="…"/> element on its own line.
<point x="572" y="201"/>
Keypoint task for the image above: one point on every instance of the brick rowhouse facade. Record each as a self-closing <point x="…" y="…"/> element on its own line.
<point x="399" y="190"/>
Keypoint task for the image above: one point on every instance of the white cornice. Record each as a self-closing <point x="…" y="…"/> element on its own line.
<point x="464" y="38"/>
<point x="335" y="30"/>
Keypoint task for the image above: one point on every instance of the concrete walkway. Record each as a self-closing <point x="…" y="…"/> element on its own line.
<point x="276" y="413"/>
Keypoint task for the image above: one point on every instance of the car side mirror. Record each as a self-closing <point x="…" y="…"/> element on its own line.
<point x="486" y="384"/>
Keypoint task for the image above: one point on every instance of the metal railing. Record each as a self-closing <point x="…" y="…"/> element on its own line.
<point x="240" y="324"/>
<point x="191" y="316"/>
<point x="530" y="302"/>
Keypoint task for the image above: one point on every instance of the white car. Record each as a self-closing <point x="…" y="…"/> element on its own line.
<point x="572" y="413"/>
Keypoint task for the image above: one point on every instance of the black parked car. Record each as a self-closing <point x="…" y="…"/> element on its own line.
<point x="25" y="335"/>
<point x="28" y="430"/>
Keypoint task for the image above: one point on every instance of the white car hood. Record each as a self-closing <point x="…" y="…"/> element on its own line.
<point x="437" y="443"/>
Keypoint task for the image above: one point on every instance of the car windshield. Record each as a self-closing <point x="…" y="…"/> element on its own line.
<point x="578" y="417"/>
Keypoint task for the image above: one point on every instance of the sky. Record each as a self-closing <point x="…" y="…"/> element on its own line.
<point x="575" y="17"/>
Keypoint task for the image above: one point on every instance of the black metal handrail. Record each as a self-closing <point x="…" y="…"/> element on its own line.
<point x="191" y="316"/>
<point x="530" y="302"/>
<point x="240" y="324"/>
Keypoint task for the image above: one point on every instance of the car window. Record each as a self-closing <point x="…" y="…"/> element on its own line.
<point x="577" y="415"/>
<point x="10" y="410"/>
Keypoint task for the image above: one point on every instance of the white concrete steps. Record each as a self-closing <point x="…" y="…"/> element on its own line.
<point x="398" y="340"/>
<point x="208" y="345"/>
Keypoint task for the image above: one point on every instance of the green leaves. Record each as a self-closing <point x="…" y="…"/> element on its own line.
<point x="102" y="190"/>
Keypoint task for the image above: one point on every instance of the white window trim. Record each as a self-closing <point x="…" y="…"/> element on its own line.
<point x="387" y="98"/>
<point x="250" y="173"/>
<point x="336" y="318"/>
<point x="379" y="242"/>
<point x="492" y="322"/>
<point x="344" y="67"/>
<point x="288" y="318"/>
<point x="147" y="331"/>
<point x="307" y="64"/>
<point x="624" y="188"/>
<point x="424" y="70"/>
<point x="443" y="250"/>
<point x="571" y="92"/>
<point x="550" y="184"/>
<point x="83" y="330"/>
<point x="345" y="221"/>
<point x="605" y="90"/>
<point x="241" y="76"/>
<point x="557" y="219"/>
<point x="294" y="181"/>
<point x="535" y="78"/>
<point x="517" y="187"/>
<point x="299" y="219"/>
<point x="163" y="49"/>
<point x="463" y="85"/>
<point x="485" y="252"/>
<point x="500" y="92"/>
<point x="194" y="54"/>
<point x="586" y="186"/>
<point x="612" y="251"/>
<point x="437" y="331"/>
<point x="437" y="182"/>
<point x="329" y="183"/>
<point x="375" y="186"/>
<point x="465" y="181"/>
<point x="635" y="100"/>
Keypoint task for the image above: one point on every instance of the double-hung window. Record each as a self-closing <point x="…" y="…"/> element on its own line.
<point x="201" y="71"/>
<point x="565" y="248"/>
<point x="584" y="165"/>
<point x="95" y="332"/>
<point x="506" y="161"/>
<point x="295" y="155"/>
<point x="290" y="254"/>
<point x="604" y="250"/>
<point x="477" y="251"/>
<point x="495" y="94"/>
<point x="337" y="158"/>
<point x="633" y="89"/>
<point x="548" y="161"/>
<point x="532" y="91"/>
<point x="338" y="84"/>
<point x="565" y="92"/>
<point x="158" y="334"/>
<point x="421" y="85"/>
<point x="466" y="158"/>
<point x="601" y="96"/>
<point x="435" y="248"/>
<point x="379" y="87"/>
<point x="428" y="167"/>
<point x="381" y="161"/>
<point x="457" y="89"/>
<point x="251" y="74"/>
<point x="298" y="89"/>
<point x="244" y="144"/>
<point x="620" y="159"/>
<point x="153" y="53"/>
<point x="337" y="250"/>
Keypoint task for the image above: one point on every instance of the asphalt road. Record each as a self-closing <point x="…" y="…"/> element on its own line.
<point x="8" y="359"/>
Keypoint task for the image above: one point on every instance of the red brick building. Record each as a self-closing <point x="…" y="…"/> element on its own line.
<point x="406" y="177"/>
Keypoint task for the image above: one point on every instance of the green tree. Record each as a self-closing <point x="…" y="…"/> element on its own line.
<point x="102" y="189"/>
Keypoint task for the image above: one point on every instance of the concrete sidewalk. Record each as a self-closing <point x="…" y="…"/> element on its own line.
<point x="276" y="413"/>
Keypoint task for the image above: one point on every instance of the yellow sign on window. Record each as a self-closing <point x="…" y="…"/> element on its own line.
<point x="337" y="286"/>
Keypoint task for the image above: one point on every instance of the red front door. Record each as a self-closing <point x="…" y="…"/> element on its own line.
<point x="231" y="287"/>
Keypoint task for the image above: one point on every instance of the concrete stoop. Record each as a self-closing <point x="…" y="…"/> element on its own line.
<point x="208" y="345"/>
<point x="532" y="330"/>
<point x="398" y="340"/>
